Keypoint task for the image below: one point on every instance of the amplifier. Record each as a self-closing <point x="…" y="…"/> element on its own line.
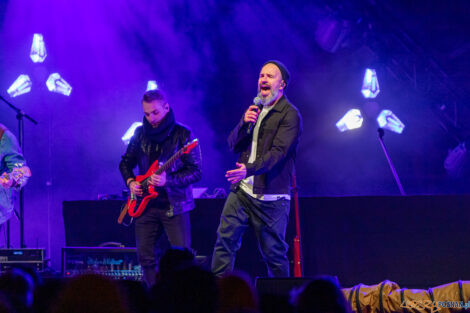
<point x="32" y="258"/>
<point x="116" y="263"/>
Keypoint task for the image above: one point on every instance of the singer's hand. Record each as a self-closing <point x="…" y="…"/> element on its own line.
<point x="251" y="115"/>
<point x="234" y="176"/>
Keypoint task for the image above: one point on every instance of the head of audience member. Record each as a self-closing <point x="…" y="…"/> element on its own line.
<point x="321" y="295"/>
<point x="137" y="299"/>
<point x="236" y="294"/>
<point x="5" y="304"/>
<point x="173" y="260"/>
<point x="190" y="290"/>
<point x="90" y="293"/>
<point x="46" y="293"/>
<point x="18" y="287"/>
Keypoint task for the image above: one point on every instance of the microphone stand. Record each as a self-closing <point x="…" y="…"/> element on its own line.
<point x="392" y="168"/>
<point x="20" y="115"/>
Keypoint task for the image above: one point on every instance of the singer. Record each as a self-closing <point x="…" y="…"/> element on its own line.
<point x="260" y="183"/>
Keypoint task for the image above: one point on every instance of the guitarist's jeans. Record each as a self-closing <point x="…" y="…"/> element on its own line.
<point x="269" y="221"/>
<point x="149" y="227"/>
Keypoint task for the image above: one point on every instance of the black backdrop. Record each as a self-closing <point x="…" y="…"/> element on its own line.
<point x="416" y="241"/>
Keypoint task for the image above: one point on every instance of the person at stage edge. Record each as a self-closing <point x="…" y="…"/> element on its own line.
<point x="159" y="138"/>
<point x="14" y="173"/>
<point x="260" y="183"/>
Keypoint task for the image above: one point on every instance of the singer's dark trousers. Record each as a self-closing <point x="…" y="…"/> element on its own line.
<point x="149" y="228"/>
<point x="241" y="211"/>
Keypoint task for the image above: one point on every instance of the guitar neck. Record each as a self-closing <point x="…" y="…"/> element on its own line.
<point x="186" y="149"/>
<point x="170" y="162"/>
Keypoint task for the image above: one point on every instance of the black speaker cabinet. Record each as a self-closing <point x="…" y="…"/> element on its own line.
<point x="279" y="286"/>
<point x="283" y="286"/>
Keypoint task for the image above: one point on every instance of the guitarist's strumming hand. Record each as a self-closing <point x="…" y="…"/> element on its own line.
<point x="136" y="188"/>
<point x="158" y="180"/>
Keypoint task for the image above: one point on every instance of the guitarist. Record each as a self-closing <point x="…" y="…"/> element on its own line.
<point x="159" y="138"/>
<point x="13" y="172"/>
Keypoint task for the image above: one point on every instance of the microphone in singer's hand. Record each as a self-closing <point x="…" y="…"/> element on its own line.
<point x="256" y="101"/>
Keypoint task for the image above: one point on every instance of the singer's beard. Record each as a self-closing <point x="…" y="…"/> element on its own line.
<point x="269" y="99"/>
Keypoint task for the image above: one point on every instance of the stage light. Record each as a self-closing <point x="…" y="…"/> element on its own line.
<point x="351" y="120"/>
<point x="370" y="84"/>
<point x="130" y="132"/>
<point x="20" y="86"/>
<point x="57" y="84"/>
<point x="152" y="85"/>
<point x="388" y="120"/>
<point x="38" y="49"/>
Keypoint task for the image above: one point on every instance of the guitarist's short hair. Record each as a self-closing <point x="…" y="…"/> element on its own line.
<point x="154" y="95"/>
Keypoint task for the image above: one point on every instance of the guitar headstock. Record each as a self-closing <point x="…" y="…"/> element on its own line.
<point x="190" y="146"/>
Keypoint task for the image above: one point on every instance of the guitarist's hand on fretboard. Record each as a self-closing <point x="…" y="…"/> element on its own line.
<point x="158" y="180"/>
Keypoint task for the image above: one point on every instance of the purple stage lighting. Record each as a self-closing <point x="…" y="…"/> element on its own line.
<point x="57" y="84"/>
<point x="370" y="84"/>
<point x="388" y="120"/>
<point x="455" y="160"/>
<point x="20" y="86"/>
<point x="38" y="49"/>
<point x="152" y="85"/>
<point x="351" y="120"/>
<point x="130" y="132"/>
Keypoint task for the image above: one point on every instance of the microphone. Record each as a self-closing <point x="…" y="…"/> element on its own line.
<point x="256" y="101"/>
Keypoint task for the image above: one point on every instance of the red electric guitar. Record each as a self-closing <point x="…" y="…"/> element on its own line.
<point x="149" y="190"/>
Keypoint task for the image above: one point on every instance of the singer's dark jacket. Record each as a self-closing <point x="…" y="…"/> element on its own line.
<point x="278" y="138"/>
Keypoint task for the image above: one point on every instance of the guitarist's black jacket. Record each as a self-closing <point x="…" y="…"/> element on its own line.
<point x="150" y="144"/>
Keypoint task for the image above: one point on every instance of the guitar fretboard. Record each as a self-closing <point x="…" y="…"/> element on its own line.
<point x="186" y="149"/>
<point x="170" y="162"/>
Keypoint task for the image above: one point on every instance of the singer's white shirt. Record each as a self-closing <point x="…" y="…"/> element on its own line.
<point x="247" y="184"/>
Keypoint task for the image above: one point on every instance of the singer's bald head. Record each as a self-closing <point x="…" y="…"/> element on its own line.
<point x="270" y="84"/>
